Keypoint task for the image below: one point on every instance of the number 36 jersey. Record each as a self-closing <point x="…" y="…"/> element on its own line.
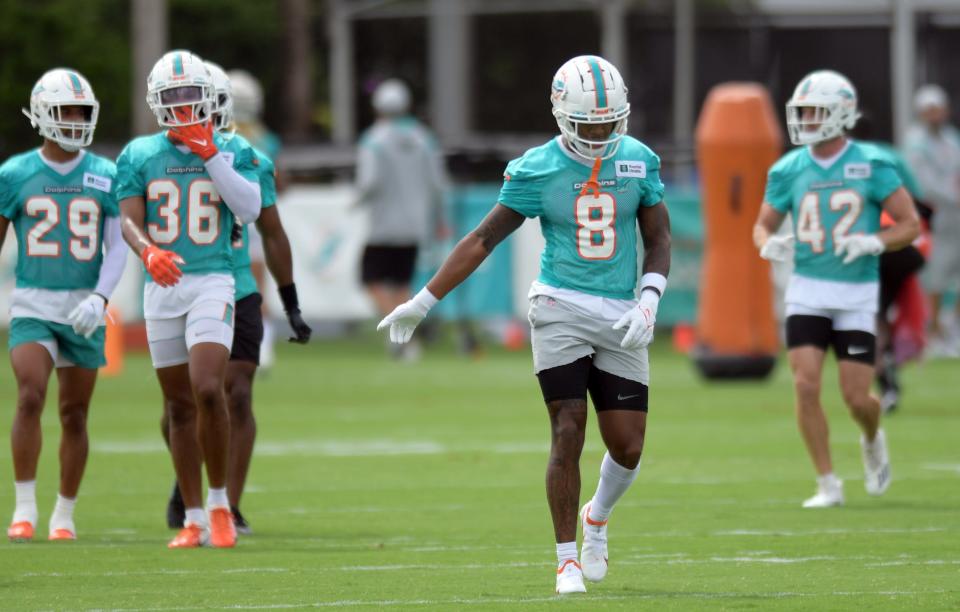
<point x="828" y="203"/>
<point x="591" y="237"/>
<point x="58" y="219"/>
<point x="184" y="212"/>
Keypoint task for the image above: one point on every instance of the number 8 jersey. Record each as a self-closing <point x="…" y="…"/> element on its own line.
<point x="58" y="219"/>
<point x="184" y="212"/>
<point x="591" y="236"/>
<point x="827" y="203"/>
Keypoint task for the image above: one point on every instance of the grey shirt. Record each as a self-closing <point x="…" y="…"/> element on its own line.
<point x="401" y="178"/>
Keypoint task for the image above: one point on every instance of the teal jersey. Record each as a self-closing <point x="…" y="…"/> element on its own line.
<point x="246" y="284"/>
<point x="906" y="175"/>
<point x="184" y="211"/>
<point x="846" y="198"/>
<point x="591" y="238"/>
<point x="58" y="219"/>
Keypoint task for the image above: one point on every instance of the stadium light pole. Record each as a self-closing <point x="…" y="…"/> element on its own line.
<point x="148" y="31"/>
<point x="903" y="58"/>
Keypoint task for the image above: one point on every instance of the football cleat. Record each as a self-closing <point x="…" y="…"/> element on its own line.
<point x="62" y="534"/>
<point x="223" y="534"/>
<point x="21" y="531"/>
<point x="191" y="536"/>
<point x="593" y="552"/>
<point x="827" y="496"/>
<point x="570" y="578"/>
<point x="876" y="464"/>
<point x="240" y="523"/>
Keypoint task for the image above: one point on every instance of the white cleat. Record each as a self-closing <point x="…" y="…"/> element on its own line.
<point x="570" y="578"/>
<point x="876" y="464"/>
<point x="593" y="553"/>
<point x="827" y="496"/>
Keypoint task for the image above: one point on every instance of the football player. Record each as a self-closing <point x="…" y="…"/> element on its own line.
<point x="60" y="201"/>
<point x="180" y="191"/>
<point x="590" y="186"/>
<point x="248" y="329"/>
<point x="835" y="188"/>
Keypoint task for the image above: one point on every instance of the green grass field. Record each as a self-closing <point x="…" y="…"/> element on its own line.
<point x="381" y="485"/>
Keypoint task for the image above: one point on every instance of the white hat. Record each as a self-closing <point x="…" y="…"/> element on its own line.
<point x="391" y="97"/>
<point x="929" y="96"/>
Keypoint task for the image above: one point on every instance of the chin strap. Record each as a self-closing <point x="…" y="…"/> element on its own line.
<point x="593" y="184"/>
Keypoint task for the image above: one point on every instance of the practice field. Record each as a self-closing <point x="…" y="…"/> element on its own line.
<point x="382" y="485"/>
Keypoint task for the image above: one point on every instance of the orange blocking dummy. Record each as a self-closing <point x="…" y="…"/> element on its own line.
<point x="738" y="138"/>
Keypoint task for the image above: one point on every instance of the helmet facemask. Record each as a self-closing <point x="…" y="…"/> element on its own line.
<point x="592" y="149"/>
<point x="71" y="136"/>
<point x="181" y="105"/>
<point x="828" y="122"/>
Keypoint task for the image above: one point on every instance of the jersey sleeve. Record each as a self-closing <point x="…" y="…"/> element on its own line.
<point x="129" y="182"/>
<point x="247" y="164"/>
<point x="521" y="190"/>
<point x="777" y="193"/>
<point x="653" y="188"/>
<point x="8" y="204"/>
<point x="884" y="179"/>
<point x="268" y="181"/>
<point x="110" y="203"/>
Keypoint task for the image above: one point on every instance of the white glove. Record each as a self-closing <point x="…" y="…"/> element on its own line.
<point x="405" y="317"/>
<point x="88" y="315"/>
<point x="778" y="248"/>
<point x="858" y="245"/>
<point x="639" y="322"/>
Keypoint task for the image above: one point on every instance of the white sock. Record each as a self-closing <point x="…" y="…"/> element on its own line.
<point x="195" y="516"/>
<point x="828" y="481"/>
<point x="26" y="508"/>
<point x="614" y="482"/>
<point x="62" y="517"/>
<point x="217" y="498"/>
<point x="566" y="551"/>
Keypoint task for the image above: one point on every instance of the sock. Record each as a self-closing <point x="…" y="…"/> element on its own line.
<point x="614" y="482"/>
<point x="217" y="498"/>
<point x="26" y="508"/>
<point x="195" y="516"/>
<point x="828" y="481"/>
<point x="566" y="551"/>
<point x="62" y="517"/>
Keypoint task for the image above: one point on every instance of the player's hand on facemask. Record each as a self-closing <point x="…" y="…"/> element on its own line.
<point x="778" y="248"/>
<point x="405" y="317"/>
<point x="639" y="322"/>
<point x="162" y="265"/>
<point x="88" y="315"/>
<point x="198" y="137"/>
<point x="857" y="246"/>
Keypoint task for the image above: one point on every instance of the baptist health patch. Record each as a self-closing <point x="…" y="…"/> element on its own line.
<point x="859" y="170"/>
<point x="633" y="169"/>
<point x="94" y="181"/>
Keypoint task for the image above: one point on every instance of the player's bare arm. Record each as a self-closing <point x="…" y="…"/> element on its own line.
<point x="655" y="230"/>
<point x="768" y="222"/>
<point x="906" y="222"/>
<point x="474" y="248"/>
<point x="4" y="223"/>
<point x="132" y="214"/>
<point x="276" y="246"/>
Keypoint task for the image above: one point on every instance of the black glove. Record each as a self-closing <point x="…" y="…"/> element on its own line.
<point x="291" y="305"/>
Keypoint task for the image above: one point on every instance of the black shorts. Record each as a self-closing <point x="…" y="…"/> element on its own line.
<point x="895" y="268"/>
<point x="849" y="345"/>
<point x="388" y="264"/>
<point x="247" y="329"/>
<point x="608" y="391"/>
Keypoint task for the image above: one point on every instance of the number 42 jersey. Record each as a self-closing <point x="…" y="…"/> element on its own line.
<point x="591" y="237"/>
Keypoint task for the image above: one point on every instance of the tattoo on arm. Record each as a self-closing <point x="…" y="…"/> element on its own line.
<point x="497" y="225"/>
<point x="655" y="230"/>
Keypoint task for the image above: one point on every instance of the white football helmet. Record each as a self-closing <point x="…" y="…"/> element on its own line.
<point x="589" y="89"/>
<point x="392" y="97"/>
<point x="58" y="88"/>
<point x="835" y="102"/>
<point x="223" y="105"/>
<point x="247" y="96"/>
<point x="178" y="81"/>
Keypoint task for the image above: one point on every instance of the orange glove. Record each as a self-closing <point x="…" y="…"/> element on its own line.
<point x="198" y="137"/>
<point x="162" y="265"/>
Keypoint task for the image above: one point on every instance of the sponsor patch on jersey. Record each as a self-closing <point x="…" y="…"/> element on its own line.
<point x="100" y="183"/>
<point x="603" y="183"/>
<point x="228" y="157"/>
<point x="860" y="170"/>
<point x="632" y="169"/>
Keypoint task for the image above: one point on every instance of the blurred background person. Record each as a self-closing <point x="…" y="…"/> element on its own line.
<point x="401" y="179"/>
<point x="933" y="150"/>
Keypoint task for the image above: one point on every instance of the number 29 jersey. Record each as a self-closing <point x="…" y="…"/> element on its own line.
<point x="591" y="237"/>
<point x="827" y="203"/>
<point x="184" y="212"/>
<point x="58" y="219"/>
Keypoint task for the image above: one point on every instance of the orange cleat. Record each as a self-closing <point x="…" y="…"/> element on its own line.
<point x="21" y="531"/>
<point x="62" y="534"/>
<point x="223" y="533"/>
<point x="191" y="536"/>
